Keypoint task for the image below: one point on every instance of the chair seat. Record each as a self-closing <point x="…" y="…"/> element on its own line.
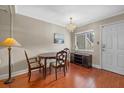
<point x="36" y="65"/>
<point x="48" y="62"/>
<point x="58" y="64"/>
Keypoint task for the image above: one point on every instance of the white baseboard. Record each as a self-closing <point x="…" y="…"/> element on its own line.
<point x="96" y="66"/>
<point x="4" y="76"/>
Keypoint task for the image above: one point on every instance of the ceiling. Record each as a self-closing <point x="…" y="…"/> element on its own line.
<point x="59" y="14"/>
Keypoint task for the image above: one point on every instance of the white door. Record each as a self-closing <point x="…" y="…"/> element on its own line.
<point x="113" y="48"/>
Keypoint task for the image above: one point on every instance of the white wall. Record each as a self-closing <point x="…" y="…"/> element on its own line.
<point x="35" y="36"/>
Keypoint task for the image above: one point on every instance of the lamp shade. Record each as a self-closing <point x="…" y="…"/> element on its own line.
<point x="10" y="42"/>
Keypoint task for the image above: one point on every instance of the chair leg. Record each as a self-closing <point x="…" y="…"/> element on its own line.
<point x="66" y="67"/>
<point x="29" y="74"/>
<point x="56" y="73"/>
<point x="64" y="70"/>
<point x="43" y="72"/>
<point x="50" y="68"/>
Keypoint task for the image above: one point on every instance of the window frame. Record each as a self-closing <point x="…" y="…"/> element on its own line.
<point x="85" y="50"/>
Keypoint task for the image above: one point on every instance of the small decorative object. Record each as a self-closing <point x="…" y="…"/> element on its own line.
<point x="58" y="38"/>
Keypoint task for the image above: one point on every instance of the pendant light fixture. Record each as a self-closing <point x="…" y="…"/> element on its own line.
<point x="71" y="26"/>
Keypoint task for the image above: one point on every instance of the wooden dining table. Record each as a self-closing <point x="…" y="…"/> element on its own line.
<point x="46" y="56"/>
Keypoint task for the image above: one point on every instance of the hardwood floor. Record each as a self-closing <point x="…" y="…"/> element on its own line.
<point x="76" y="77"/>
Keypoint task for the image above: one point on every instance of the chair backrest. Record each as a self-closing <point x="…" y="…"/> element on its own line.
<point x="61" y="57"/>
<point x="67" y="50"/>
<point x="68" y="53"/>
<point x="27" y="59"/>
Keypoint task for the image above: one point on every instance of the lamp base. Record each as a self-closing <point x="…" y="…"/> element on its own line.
<point x="8" y="81"/>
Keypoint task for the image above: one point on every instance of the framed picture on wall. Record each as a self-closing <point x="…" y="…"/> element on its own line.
<point x="58" y="38"/>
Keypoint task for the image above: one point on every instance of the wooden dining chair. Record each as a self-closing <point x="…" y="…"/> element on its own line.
<point x="33" y="63"/>
<point x="61" y="58"/>
<point x="68" y="57"/>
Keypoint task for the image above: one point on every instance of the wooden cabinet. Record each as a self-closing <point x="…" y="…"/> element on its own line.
<point x="82" y="59"/>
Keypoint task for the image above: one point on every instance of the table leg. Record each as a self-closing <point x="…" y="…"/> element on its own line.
<point x="45" y="60"/>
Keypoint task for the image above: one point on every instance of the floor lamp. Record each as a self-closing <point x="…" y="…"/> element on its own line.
<point x="10" y="42"/>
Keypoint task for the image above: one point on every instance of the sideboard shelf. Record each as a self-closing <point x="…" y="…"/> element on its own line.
<point x="82" y="59"/>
